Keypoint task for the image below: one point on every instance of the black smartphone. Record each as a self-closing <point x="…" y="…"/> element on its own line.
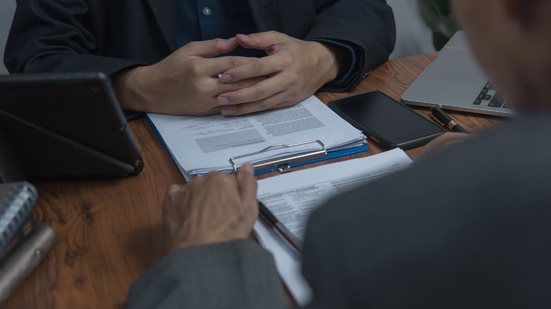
<point x="388" y="122"/>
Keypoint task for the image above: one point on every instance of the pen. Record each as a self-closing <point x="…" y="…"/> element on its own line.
<point x="269" y="218"/>
<point x="445" y="120"/>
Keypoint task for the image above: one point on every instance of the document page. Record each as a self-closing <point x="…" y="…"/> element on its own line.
<point x="292" y="198"/>
<point x="204" y="144"/>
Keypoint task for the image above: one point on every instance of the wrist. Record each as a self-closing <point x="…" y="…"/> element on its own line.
<point x="330" y="59"/>
<point x="130" y="89"/>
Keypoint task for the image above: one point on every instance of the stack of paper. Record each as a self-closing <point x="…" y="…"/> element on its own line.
<point x="292" y="198"/>
<point x="205" y="144"/>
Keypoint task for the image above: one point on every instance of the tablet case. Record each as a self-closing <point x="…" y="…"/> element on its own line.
<point x="65" y="125"/>
<point x="10" y="171"/>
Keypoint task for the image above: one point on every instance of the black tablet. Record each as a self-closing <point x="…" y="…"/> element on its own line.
<point x="66" y="125"/>
<point x="390" y="123"/>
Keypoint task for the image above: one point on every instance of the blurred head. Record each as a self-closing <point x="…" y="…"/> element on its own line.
<point x="512" y="41"/>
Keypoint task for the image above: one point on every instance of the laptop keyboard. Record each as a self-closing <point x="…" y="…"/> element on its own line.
<point x="489" y="97"/>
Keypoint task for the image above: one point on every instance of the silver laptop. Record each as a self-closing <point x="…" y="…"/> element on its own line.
<point x="456" y="82"/>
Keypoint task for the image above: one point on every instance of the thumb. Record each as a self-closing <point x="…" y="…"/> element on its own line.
<point x="210" y="48"/>
<point x="170" y="207"/>
<point x="171" y="196"/>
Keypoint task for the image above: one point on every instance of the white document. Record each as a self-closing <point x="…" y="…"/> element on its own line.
<point x="292" y="198"/>
<point x="204" y="144"/>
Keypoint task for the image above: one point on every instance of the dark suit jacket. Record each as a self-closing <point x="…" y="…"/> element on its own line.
<point x="469" y="228"/>
<point x="110" y="36"/>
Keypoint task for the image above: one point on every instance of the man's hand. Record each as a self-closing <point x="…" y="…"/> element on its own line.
<point x="184" y="83"/>
<point x="443" y="141"/>
<point x="211" y="209"/>
<point x="293" y="71"/>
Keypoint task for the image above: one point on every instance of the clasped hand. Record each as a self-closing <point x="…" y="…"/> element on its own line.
<point x="292" y="71"/>
<point x="197" y="80"/>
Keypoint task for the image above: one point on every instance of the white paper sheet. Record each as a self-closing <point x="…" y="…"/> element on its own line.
<point x="204" y="144"/>
<point x="292" y="197"/>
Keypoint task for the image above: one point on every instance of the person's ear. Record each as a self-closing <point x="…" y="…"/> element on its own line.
<point x="523" y="12"/>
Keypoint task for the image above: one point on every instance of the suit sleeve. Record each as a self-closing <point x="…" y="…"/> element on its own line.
<point x="53" y="36"/>
<point x="367" y="28"/>
<point x="237" y="274"/>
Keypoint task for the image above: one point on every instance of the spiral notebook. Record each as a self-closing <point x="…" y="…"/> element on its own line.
<point x="16" y="204"/>
<point x="23" y="243"/>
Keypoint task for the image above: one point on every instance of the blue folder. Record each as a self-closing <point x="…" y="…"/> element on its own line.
<point x="330" y="155"/>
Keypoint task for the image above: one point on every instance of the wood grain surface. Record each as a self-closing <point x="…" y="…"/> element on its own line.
<point x="108" y="231"/>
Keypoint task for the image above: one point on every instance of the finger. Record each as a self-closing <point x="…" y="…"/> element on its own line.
<point x="247" y="188"/>
<point x="170" y="206"/>
<point x="262" y="67"/>
<point x="261" y="40"/>
<point x="443" y="141"/>
<point x="247" y="168"/>
<point x="173" y="189"/>
<point x="258" y="92"/>
<point x="212" y="88"/>
<point x="276" y="101"/>
<point x="210" y="48"/>
<point x="215" y="66"/>
<point x="223" y="88"/>
<point x="171" y="195"/>
<point x="448" y="138"/>
<point x="451" y="143"/>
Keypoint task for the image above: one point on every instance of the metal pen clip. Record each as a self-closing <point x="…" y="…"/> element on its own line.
<point x="283" y="163"/>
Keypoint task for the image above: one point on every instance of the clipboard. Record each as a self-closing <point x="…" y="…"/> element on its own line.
<point x="281" y="164"/>
<point x="287" y="163"/>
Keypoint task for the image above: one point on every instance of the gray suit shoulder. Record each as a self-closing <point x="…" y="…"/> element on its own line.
<point x="469" y="224"/>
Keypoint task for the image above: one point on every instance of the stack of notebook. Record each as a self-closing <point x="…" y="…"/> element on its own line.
<point x="23" y="243"/>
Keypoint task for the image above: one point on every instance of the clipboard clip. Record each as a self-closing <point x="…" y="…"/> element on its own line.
<point x="282" y="164"/>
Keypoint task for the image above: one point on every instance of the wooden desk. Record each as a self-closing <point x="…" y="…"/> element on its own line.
<point x="108" y="230"/>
